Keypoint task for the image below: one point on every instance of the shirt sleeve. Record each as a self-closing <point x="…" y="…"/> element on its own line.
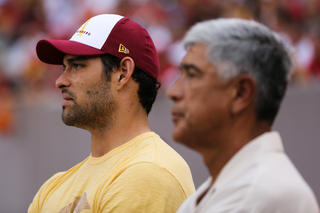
<point x="143" y="187"/>
<point x="34" y="208"/>
<point x="38" y="199"/>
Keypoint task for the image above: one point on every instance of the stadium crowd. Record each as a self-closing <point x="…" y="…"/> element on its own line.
<point x="25" y="81"/>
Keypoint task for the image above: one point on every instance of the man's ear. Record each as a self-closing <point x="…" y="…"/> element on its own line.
<point x="245" y="88"/>
<point x="126" y="69"/>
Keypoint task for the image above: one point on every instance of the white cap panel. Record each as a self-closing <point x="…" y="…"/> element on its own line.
<point x="92" y="33"/>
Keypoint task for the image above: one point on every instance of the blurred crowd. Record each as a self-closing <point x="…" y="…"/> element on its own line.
<point x="25" y="81"/>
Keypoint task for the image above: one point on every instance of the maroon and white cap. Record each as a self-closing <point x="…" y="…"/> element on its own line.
<point x="106" y="33"/>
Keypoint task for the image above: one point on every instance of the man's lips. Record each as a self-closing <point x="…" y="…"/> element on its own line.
<point x="176" y="115"/>
<point x="68" y="99"/>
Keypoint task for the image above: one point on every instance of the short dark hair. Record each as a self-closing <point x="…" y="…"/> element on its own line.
<point x="148" y="86"/>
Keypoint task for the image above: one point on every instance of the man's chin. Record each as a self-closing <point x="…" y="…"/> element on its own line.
<point x="182" y="136"/>
<point x="178" y="136"/>
<point x="66" y="119"/>
<point x="67" y="122"/>
<point x="72" y="123"/>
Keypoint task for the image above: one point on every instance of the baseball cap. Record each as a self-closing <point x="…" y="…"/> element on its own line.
<point x="106" y="33"/>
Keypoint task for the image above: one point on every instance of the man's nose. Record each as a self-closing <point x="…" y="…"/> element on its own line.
<point x="63" y="81"/>
<point x="175" y="92"/>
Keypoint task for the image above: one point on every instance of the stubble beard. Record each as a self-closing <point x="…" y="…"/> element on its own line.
<point x="95" y="114"/>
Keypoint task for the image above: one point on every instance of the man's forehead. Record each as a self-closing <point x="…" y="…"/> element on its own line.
<point x="196" y="50"/>
<point x="196" y="55"/>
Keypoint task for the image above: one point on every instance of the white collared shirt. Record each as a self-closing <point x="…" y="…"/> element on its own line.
<point x="259" y="178"/>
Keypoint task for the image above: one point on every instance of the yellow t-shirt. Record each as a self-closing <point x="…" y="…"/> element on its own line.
<point x="142" y="175"/>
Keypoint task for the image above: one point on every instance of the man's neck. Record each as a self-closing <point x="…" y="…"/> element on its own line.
<point x="122" y="131"/>
<point x="217" y="157"/>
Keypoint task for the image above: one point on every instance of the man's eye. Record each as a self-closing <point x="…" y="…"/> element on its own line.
<point x="76" y="66"/>
<point x="190" y="74"/>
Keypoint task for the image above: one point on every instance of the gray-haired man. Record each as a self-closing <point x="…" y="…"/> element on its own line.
<point x="233" y="79"/>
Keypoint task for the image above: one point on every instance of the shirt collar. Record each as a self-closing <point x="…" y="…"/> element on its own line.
<point x="250" y="154"/>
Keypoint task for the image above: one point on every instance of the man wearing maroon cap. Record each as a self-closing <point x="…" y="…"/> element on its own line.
<point x="109" y="83"/>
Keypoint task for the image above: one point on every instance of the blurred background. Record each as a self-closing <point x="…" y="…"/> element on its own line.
<point x="35" y="144"/>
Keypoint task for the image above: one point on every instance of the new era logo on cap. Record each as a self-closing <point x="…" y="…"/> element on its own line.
<point x="107" y="33"/>
<point x="123" y="49"/>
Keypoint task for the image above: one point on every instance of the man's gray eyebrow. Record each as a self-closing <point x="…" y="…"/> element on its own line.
<point x="189" y="66"/>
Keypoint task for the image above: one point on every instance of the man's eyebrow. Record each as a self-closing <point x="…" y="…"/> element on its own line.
<point x="76" y="58"/>
<point x="189" y="66"/>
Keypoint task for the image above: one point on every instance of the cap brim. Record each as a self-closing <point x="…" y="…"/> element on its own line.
<point x="53" y="51"/>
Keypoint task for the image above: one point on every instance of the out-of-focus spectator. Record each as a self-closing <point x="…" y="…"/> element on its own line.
<point x="6" y="106"/>
<point x="291" y="26"/>
<point x="314" y="66"/>
<point x="61" y="16"/>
